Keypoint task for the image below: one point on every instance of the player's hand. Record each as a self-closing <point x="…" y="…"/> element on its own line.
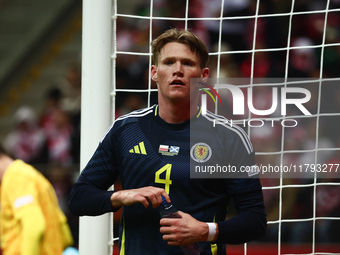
<point x="145" y="195"/>
<point x="183" y="231"/>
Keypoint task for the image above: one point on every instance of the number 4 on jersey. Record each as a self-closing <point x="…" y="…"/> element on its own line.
<point x="167" y="180"/>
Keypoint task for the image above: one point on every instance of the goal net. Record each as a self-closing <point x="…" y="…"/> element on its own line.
<point x="258" y="46"/>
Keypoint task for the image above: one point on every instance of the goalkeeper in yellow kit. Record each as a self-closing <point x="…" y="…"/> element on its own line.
<point x="31" y="221"/>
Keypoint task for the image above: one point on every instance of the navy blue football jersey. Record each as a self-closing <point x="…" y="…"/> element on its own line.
<point x="143" y="150"/>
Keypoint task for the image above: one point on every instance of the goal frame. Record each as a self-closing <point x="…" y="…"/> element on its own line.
<point x="96" y="111"/>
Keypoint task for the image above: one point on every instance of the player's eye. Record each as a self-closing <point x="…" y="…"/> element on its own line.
<point x="188" y="63"/>
<point x="168" y="62"/>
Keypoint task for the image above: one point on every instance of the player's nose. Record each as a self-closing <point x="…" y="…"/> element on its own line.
<point x="178" y="69"/>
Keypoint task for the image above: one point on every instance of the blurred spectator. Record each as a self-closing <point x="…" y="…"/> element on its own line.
<point x="309" y="143"/>
<point x="131" y="103"/>
<point x="60" y="132"/>
<point x="60" y="179"/>
<point x="59" y="139"/>
<point x="52" y="104"/>
<point x="261" y="66"/>
<point x="303" y="60"/>
<point x="26" y="141"/>
<point x="228" y="66"/>
<point x="233" y="30"/>
<point x="71" y="101"/>
<point x="328" y="202"/>
<point x="71" y="104"/>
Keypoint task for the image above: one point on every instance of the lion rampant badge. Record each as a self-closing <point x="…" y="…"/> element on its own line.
<point x="201" y="152"/>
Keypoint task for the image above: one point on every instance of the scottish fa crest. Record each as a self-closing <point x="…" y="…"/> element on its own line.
<point x="200" y="152"/>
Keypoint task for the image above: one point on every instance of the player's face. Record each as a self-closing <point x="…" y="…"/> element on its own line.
<point x="176" y="65"/>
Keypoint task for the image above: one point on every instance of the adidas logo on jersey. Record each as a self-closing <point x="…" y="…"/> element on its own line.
<point x="138" y="149"/>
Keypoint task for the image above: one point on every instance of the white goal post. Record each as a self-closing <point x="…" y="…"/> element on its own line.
<point x="95" y="232"/>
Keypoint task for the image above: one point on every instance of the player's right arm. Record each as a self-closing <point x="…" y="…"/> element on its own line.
<point x="145" y="196"/>
<point x="90" y="195"/>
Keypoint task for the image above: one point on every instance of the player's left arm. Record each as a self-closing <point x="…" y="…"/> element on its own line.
<point x="184" y="231"/>
<point x="247" y="225"/>
<point x="246" y="190"/>
<point x="250" y="222"/>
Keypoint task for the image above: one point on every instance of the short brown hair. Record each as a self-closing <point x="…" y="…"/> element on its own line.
<point x="180" y="36"/>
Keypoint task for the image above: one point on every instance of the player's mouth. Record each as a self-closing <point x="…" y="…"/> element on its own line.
<point x="177" y="82"/>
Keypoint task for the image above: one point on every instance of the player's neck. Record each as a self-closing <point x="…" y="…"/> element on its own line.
<point x="5" y="161"/>
<point x="176" y="113"/>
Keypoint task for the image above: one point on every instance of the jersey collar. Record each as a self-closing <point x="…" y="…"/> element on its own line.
<point x="180" y="126"/>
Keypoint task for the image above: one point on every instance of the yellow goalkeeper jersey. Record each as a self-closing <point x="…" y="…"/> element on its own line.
<point x="31" y="221"/>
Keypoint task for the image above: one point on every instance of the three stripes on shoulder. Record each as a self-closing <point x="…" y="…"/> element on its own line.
<point x="138" y="149"/>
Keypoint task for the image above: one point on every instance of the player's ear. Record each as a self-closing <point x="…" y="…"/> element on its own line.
<point x="205" y="74"/>
<point x="154" y="73"/>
